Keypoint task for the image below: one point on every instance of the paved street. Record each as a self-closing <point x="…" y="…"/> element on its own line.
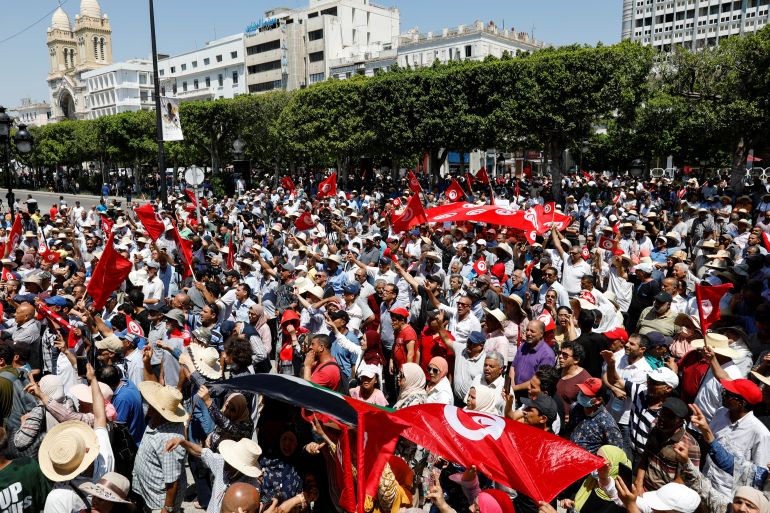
<point x="46" y="199"/>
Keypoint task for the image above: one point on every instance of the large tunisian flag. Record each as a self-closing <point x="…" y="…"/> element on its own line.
<point x="412" y="215"/>
<point x="524" y="458"/>
<point x="151" y="221"/>
<point x="328" y="188"/>
<point x="111" y="270"/>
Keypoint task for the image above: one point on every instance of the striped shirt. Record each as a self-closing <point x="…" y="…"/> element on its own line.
<point x="154" y="467"/>
<point x="642" y="418"/>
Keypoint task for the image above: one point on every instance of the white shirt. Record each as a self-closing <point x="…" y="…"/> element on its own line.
<point x="441" y="393"/>
<point x="571" y="275"/>
<point x="153" y="289"/>
<point x="633" y="373"/>
<point x="460" y="329"/>
<point x="709" y="396"/>
<point x="748" y="438"/>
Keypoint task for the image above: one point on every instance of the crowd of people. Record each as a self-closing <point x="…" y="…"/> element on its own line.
<point x="593" y="333"/>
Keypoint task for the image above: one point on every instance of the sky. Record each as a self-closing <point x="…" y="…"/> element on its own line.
<point x="183" y="25"/>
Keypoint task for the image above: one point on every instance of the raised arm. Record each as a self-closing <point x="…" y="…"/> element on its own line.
<point x="557" y="241"/>
<point x="407" y="277"/>
<point x="99" y="411"/>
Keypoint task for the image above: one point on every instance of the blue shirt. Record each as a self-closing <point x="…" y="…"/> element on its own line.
<point x="338" y="281"/>
<point x="128" y="404"/>
<point x="346" y="359"/>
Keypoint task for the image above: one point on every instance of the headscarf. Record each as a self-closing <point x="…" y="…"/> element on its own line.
<point x="488" y="504"/>
<point x="240" y="407"/>
<point x="615" y="457"/>
<point x="485" y="399"/>
<point x="261" y="319"/>
<point x="754" y="496"/>
<point x="414" y="383"/>
<point x="443" y="368"/>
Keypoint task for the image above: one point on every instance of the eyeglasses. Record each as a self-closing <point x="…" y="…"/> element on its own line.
<point x="466" y="305"/>
<point x="432" y="370"/>
<point x="565" y="354"/>
<point x="730" y="395"/>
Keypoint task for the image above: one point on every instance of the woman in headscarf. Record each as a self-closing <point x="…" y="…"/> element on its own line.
<point x="481" y="398"/>
<point x="439" y="389"/>
<point x="233" y="422"/>
<point x="260" y="338"/>
<point x="411" y="383"/>
<point x="280" y="480"/>
<point x="566" y="327"/>
<point x="591" y="497"/>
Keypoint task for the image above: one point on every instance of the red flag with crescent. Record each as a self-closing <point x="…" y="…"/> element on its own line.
<point x="455" y="192"/>
<point x="480" y="266"/>
<point x="482" y="176"/>
<point x="305" y="221"/>
<point x="412" y="215"/>
<point x="328" y="188"/>
<point x="414" y="183"/>
<point x="151" y="221"/>
<point x="14" y="236"/>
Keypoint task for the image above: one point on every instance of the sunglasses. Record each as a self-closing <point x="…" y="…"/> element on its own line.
<point x="565" y="355"/>
<point x="432" y="370"/>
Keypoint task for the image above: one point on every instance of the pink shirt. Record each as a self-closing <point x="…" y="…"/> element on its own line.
<point x="377" y="396"/>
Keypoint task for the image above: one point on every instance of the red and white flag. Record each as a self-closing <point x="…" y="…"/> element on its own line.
<point x="288" y="184"/>
<point x="455" y="192"/>
<point x="14" y="236"/>
<point x="304" y="222"/>
<point x="766" y="240"/>
<point x="151" y="221"/>
<point x="50" y="256"/>
<point x="482" y="176"/>
<point x="681" y="193"/>
<point x="480" y="266"/>
<point x="110" y="272"/>
<point x="107" y="224"/>
<point x="608" y="244"/>
<point x="413" y="215"/>
<point x="414" y="183"/>
<point x="708" y="298"/>
<point x="328" y="188"/>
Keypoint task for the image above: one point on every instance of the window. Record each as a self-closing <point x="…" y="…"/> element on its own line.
<point x="219" y="58"/>
<point x="265" y="66"/>
<point x="194" y="64"/>
<point x="173" y="88"/>
<point x="195" y="84"/>
<point x="315" y="35"/>
<point x="173" y="69"/>
<point x="184" y="67"/>
<point x="184" y="86"/>
<point x="143" y="78"/>
<point x="208" y="81"/>
<point x="264" y="47"/>
<point x="265" y="86"/>
<point x="220" y="79"/>
<point x="143" y="96"/>
<point x="317" y="77"/>
<point x="162" y="72"/>
<point x="468" y="51"/>
<point x="332" y="11"/>
<point x="235" y="77"/>
<point x="206" y="61"/>
<point x="234" y="55"/>
<point x="163" y="90"/>
<point x="316" y="56"/>
<point x="312" y="15"/>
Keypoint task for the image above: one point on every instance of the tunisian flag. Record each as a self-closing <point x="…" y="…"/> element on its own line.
<point x="516" y="455"/>
<point x="151" y="220"/>
<point x="328" y="188"/>
<point x="482" y="176"/>
<point x="414" y="183"/>
<point x="107" y="225"/>
<point x="111" y="270"/>
<point x="304" y="222"/>
<point x="185" y="253"/>
<point x="288" y="183"/>
<point x="14" y="236"/>
<point x="455" y="192"/>
<point x="412" y="215"/>
<point x="708" y="303"/>
<point x="480" y="266"/>
<point x="191" y="196"/>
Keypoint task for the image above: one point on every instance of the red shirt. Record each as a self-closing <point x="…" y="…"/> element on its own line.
<point x="406" y="334"/>
<point x="327" y="374"/>
<point x="431" y="346"/>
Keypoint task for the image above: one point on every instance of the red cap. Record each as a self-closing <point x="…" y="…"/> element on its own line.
<point x="401" y="312"/>
<point x="498" y="270"/>
<point x="744" y="388"/>
<point x="591" y="386"/>
<point x="617" y="334"/>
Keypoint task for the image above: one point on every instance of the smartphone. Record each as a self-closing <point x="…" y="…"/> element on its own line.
<point x="507" y="382"/>
<point x="82" y="361"/>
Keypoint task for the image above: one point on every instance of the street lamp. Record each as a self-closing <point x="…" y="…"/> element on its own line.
<point x="238" y="146"/>
<point x="22" y="140"/>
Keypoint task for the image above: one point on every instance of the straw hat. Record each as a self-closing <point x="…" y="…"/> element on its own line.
<point x="690" y="321"/>
<point x="242" y="455"/>
<point x="67" y="450"/>
<point x="718" y="342"/>
<point x="763" y="379"/>
<point x="112" y="487"/>
<point x="206" y="361"/>
<point x="718" y="264"/>
<point x="496" y="313"/>
<point x="164" y="399"/>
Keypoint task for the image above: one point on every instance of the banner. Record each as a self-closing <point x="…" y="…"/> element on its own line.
<point x="172" y="125"/>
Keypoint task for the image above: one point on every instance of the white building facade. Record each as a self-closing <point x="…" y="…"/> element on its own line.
<point x="120" y="87"/>
<point x="294" y="48"/>
<point x="693" y="24"/>
<point x="32" y="113"/>
<point x="212" y="72"/>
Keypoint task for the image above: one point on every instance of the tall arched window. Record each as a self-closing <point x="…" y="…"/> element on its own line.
<point x="66" y="64"/>
<point x="72" y="57"/>
<point x="96" y="48"/>
<point x="101" y="47"/>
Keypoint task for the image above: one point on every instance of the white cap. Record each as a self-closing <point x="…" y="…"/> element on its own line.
<point x="673" y="497"/>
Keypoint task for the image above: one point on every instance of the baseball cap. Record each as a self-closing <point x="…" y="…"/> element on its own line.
<point x="401" y="312"/>
<point x="658" y="339"/>
<point x="664" y="375"/>
<point x="476" y="337"/>
<point x="287" y="266"/>
<point x="110" y="343"/>
<point x="367" y="371"/>
<point x="744" y="388"/>
<point x="352" y="288"/>
<point x="544" y="404"/>
<point x="663" y="297"/>
<point x="677" y="407"/>
<point x="591" y="386"/>
<point x="587" y="300"/>
<point x="617" y="334"/>
<point x="673" y="497"/>
<point x="56" y="301"/>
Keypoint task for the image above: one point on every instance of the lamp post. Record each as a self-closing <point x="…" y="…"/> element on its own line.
<point x="22" y="141"/>
<point x="637" y="168"/>
<point x="240" y="164"/>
